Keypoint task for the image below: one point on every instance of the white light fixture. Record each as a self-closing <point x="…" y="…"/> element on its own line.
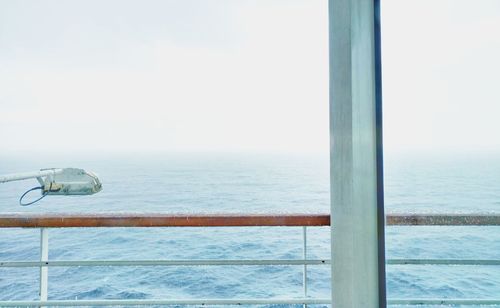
<point x="54" y="181"/>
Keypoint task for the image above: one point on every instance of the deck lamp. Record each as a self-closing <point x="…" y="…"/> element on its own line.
<point x="58" y="181"/>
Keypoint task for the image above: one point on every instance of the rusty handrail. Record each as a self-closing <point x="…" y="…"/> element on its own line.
<point x="65" y="220"/>
<point x="443" y="219"/>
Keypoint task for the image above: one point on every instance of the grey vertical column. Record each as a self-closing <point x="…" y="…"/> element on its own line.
<point x="358" y="270"/>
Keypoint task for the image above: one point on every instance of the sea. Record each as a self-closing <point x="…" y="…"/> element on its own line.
<point x="247" y="183"/>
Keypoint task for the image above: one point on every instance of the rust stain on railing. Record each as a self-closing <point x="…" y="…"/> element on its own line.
<point x="68" y="220"/>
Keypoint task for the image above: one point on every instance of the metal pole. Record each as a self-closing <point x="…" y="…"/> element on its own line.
<point x="44" y="256"/>
<point x="304" y="257"/>
<point x="355" y="156"/>
<point x="28" y="175"/>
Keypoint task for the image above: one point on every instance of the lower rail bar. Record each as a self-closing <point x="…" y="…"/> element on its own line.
<point x="159" y="263"/>
<point x="441" y="262"/>
<point x="310" y="301"/>
<point x="233" y="262"/>
<point x="119" y="302"/>
<point x="444" y="301"/>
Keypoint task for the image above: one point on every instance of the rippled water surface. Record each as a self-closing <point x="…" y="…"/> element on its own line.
<point x="248" y="184"/>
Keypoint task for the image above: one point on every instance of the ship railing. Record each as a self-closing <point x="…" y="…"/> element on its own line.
<point x="46" y="221"/>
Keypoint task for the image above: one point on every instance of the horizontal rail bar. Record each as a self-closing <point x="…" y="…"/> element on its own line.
<point x="444" y="301"/>
<point x="119" y="302"/>
<point x="443" y="219"/>
<point x="65" y="220"/>
<point x="233" y="262"/>
<point x="441" y="262"/>
<point x="160" y="220"/>
<point x="159" y="263"/>
<point x="311" y="301"/>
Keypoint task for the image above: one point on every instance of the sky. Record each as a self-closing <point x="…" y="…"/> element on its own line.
<point x="441" y="75"/>
<point x="236" y="76"/>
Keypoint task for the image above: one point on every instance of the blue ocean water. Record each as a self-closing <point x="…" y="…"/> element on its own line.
<point x="212" y="183"/>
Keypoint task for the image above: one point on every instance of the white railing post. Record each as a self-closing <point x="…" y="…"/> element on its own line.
<point x="304" y="256"/>
<point x="44" y="270"/>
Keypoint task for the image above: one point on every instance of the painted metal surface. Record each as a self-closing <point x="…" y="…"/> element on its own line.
<point x="442" y="262"/>
<point x="304" y="257"/>
<point x="356" y="203"/>
<point x="44" y="257"/>
<point x="446" y="301"/>
<point x="180" y="301"/>
<point x="264" y="301"/>
<point x="188" y="262"/>
<point x="28" y="175"/>
<point x="443" y="219"/>
<point x="62" y="263"/>
<point x="379" y="158"/>
<point x="56" y="220"/>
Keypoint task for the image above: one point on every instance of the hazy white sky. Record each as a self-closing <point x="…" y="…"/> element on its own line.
<point x="441" y="69"/>
<point x="227" y="75"/>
